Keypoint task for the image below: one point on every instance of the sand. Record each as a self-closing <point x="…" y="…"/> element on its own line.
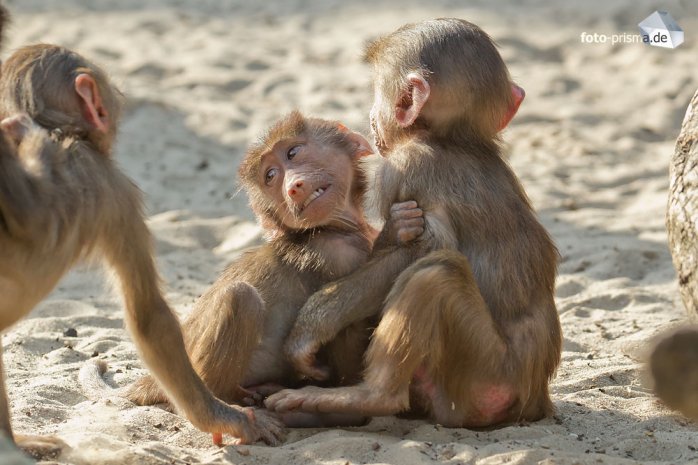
<point x="591" y="144"/>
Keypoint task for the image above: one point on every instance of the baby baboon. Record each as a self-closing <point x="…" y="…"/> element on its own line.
<point x="306" y="185"/>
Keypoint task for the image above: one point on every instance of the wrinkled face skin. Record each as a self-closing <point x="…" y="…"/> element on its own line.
<point x="309" y="183"/>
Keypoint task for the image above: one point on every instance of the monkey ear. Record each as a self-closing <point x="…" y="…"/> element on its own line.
<point x="363" y="148"/>
<point x="519" y="94"/>
<point x="412" y="100"/>
<point x="91" y="102"/>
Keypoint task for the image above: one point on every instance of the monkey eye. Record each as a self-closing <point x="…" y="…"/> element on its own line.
<point x="293" y="151"/>
<point x="269" y="176"/>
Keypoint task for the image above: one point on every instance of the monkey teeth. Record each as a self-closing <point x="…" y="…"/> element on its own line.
<point x="318" y="192"/>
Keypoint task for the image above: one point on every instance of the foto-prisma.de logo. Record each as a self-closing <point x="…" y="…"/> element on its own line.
<point x="661" y="30"/>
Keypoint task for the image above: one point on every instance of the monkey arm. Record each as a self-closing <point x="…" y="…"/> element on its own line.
<point x="155" y="328"/>
<point x="361" y="294"/>
<point x="343" y="302"/>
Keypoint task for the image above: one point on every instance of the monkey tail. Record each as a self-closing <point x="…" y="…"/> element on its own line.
<point x="93" y="384"/>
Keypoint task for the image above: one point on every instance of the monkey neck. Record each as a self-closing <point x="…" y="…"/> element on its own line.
<point x="468" y="141"/>
<point x="330" y="251"/>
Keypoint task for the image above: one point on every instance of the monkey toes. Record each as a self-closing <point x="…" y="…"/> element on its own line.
<point x="408" y="220"/>
<point x="307" y="399"/>
<point x="270" y="428"/>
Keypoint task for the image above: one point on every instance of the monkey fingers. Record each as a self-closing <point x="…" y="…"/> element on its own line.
<point x="407" y="220"/>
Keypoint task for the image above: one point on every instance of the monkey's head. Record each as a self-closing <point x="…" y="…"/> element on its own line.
<point x="442" y="78"/>
<point x="59" y="89"/>
<point x="304" y="173"/>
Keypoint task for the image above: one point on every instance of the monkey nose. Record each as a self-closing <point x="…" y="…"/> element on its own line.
<point x="295" y="188"/>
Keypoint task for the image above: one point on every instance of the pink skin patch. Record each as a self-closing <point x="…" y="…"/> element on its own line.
<point x="491" y="402"/>
<point x="423" y="382"/>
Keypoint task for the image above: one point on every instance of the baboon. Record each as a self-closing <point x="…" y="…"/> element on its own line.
<point x="63" y="199"/>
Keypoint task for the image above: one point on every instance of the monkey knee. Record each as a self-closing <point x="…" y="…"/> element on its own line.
<point x="441" y="281"/>
<point x="243" y="301"/>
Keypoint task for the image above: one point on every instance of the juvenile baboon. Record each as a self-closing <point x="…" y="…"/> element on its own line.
<point x="306" y="185"/>
<point x="63" y="199"/>
<point x="469" y="334"/>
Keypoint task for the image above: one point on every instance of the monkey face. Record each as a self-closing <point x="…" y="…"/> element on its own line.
<point x="307" y="182"/>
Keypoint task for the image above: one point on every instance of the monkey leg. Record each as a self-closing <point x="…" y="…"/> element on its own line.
<point x="158" y="335"/>
<point x="38" y="447"/>
<point x="435" y="334"/>
<point x="220" y="336"/>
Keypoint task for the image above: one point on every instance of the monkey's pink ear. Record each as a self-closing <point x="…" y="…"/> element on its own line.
<point x="91" y="102"/>
<point x="519" y="94"/>
<point x="363" y="148"/>
<point x="412" y="100"/>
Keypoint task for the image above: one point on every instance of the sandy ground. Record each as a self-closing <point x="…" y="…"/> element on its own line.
<point x="591" y="144"/>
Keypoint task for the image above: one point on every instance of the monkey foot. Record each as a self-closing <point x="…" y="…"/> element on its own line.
<point x="264" y="425"/>
<point x="244" y="425"/>
<point x="270" y="428"/>
<point x="354" y="399"/>
<point x="40" y="447"/>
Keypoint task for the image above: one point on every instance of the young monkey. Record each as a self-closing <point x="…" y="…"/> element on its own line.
<point x="62" y="198"/>
<point x="469" y="334"/>
<point x="306" y="185"/>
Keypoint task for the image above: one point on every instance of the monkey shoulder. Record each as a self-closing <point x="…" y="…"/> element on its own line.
<point x="262" y="268"/>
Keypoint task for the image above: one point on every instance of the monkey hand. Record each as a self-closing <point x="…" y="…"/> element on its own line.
<point x="245" y="425"/>
<point x="406" y="222"/>
<point x="17" y="126"/>
<point x="301" y="352"/>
